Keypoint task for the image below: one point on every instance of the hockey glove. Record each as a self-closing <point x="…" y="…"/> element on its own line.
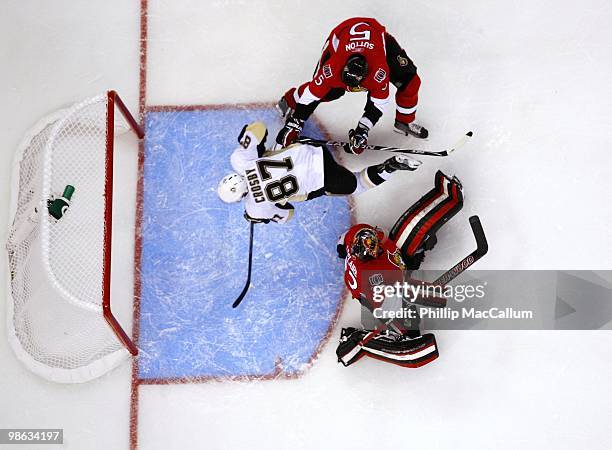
<point x="290" y="132"/>
<point x="358" y="139"/>
<point x="340" y="247"/>
<point x="254" y="220"/>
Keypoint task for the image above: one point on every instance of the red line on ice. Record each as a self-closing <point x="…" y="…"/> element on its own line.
<point x="136" y="381"/>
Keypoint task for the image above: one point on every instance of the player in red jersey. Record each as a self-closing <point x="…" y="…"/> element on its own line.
<point x="359" y="55"/>
<point x="372" y="259"/>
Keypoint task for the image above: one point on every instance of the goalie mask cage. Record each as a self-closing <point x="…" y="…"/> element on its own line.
<point x="60" y="322"/>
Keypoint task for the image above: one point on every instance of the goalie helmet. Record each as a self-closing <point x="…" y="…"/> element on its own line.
<point x="366" y="244"/>
<point x="355" y="70"/>
<point x="232" y="188"/>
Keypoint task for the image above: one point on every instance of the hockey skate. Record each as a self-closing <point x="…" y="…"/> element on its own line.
<point x="283" y="107"/>
<point x="399" y="162"/>
<point x="412" y="128"/>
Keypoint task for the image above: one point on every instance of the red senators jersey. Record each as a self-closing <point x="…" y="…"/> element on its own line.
<point x="357" y="35"/>
<point x="361" y="276"/>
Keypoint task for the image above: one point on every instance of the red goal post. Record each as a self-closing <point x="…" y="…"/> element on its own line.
<point x="60" y="321"/>
<point x="113" y="100"/>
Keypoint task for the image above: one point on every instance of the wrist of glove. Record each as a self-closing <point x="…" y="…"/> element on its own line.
<point x="254" y="220"/>
<point x="290" y="132"/>
<point x="358" y="139"/>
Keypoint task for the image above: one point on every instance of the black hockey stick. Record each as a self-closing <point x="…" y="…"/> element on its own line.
<point x="248" y="280"/>
<point x="410" y="151"/>
<point x="482" y="247"/>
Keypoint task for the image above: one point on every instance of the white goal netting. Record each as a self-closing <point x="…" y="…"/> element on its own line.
<point x="56" y="262"/>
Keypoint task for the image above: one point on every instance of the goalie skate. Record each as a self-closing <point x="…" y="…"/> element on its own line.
<point x="386" y="346"/>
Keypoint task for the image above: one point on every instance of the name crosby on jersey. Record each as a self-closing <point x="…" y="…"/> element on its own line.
<point x="255" y="186"/>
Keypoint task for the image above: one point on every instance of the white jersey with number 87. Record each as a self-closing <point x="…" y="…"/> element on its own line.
<point x="277" y="177"/>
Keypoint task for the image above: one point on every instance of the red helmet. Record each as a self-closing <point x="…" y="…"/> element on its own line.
<point x="366" y="244"/>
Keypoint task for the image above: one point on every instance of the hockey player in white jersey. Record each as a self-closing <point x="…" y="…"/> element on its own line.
<point x="269" y="180"/>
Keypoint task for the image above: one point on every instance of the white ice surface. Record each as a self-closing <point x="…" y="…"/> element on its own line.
<point x="532" y="79"/>
<point x="54" y="54"/>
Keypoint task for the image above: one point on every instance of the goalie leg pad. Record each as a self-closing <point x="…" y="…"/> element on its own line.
<point x="416" y="229"/>
<point x="350" y="348"/>
<point x="386" y="346"/>
<point x="405" y="352"/>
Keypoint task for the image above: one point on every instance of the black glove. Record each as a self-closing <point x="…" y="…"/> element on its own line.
<point x="290" y="132"/>
<point x="254" y="220"/>
<point x="358" y="139"/>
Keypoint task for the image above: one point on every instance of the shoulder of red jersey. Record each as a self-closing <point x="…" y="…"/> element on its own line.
<point x="393" y="254"/>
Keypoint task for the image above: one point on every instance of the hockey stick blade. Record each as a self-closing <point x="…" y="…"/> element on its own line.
<point x="460" y="143"/>
<point x="410" y="151"/>
<point x="248" y="280"/>
<point x="482" y="247"/>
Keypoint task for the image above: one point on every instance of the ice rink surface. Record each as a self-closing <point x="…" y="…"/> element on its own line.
<point x="195" y="251"/>
<point x="531" y="79"/>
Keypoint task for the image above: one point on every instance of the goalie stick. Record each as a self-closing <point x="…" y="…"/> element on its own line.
<point x="248" y="280"/>
<point x="410" y="151"/>
<point x="482" y="247"/>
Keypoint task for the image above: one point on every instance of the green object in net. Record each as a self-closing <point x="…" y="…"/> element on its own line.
<point x="58" y="206"/>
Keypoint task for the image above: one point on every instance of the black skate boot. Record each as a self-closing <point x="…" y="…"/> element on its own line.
<point x="346" y="333"/>
<point x="399" y="162"/>
<point x="282" y="106"/>
<point x="412" y="128"/>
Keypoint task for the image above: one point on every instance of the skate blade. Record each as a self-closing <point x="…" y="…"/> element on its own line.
<point x="279" y="110"/>
<point x="406" y="133"/>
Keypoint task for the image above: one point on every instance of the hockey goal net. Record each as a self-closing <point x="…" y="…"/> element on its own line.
<point x="60" y="322"/>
